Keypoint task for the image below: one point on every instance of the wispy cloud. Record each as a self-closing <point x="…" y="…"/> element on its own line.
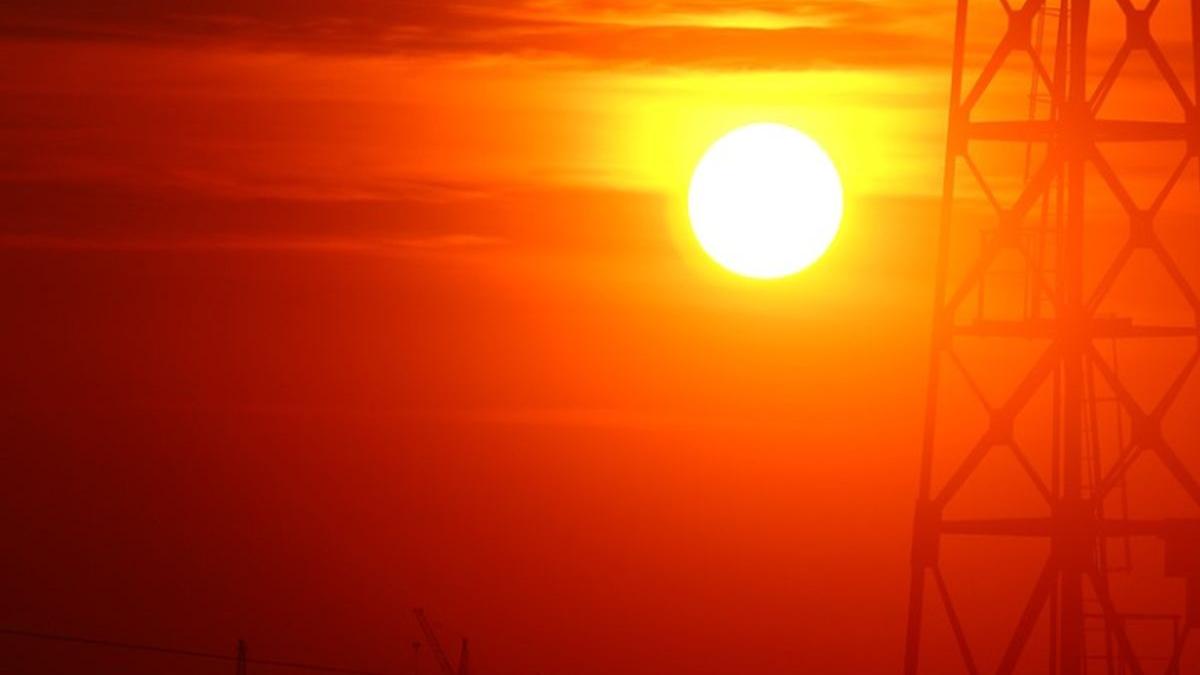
<point x="94" y="217"/>
<point x="392" y="246"/>
<point x="764" y="33"/>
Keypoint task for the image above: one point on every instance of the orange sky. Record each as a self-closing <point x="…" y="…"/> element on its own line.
<point x="326" y="310"/>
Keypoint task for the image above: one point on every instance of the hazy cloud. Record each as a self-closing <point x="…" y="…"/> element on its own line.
<point x="765" y="33"/>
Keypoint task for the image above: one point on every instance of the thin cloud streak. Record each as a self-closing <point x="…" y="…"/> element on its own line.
<point x="694" y="33"/>
<point x="250" y="244"/>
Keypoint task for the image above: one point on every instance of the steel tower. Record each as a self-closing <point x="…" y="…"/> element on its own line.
<point x="1095" y="422"/>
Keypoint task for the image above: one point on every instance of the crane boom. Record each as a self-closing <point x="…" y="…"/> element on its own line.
<point x="434" y="646"/>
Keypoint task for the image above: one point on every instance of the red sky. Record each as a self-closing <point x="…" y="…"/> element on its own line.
<point x="321" y="311"/>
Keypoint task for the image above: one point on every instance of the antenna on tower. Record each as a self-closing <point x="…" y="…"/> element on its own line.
<point x="463" y="659"/>
<point x="241" y="657"/>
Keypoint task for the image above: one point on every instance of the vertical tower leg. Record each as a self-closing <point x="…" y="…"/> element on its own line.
<point x="924" y="531"/>
<point x="1073" y="513"/>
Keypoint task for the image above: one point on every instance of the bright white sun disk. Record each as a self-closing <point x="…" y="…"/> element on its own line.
<point x="765" y="201"/>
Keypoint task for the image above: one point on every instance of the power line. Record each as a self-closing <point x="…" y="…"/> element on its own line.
<point x="187" y="653"/>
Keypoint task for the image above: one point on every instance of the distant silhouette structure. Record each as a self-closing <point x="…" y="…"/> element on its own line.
<point x="241" y="657"/>
<point x="1096" y="421"/>
<point x="439" y="655"/>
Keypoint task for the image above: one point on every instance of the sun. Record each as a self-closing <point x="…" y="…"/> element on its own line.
<point x="765" y="201"/>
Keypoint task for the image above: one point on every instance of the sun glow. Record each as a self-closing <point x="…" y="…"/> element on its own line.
<point x="765" y="201"/>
